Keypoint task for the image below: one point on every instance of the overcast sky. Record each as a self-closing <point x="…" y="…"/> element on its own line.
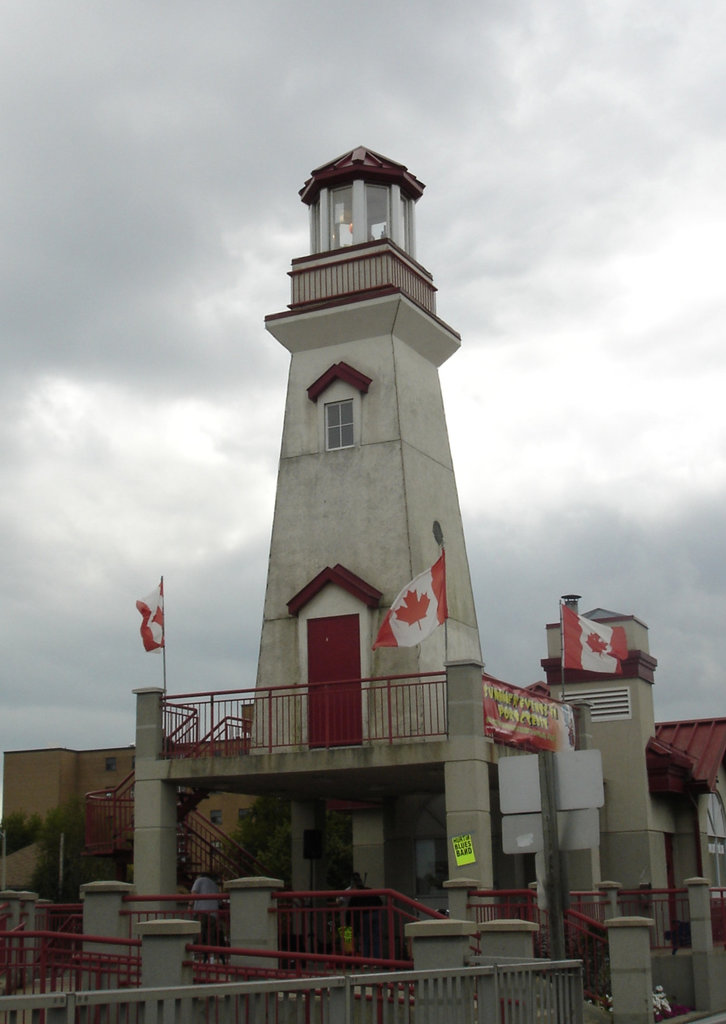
<point x="574" y="154"/>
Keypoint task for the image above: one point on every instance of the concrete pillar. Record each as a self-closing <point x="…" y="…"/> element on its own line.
<point x="155" y="819"/>
<point x="306" y="815"/>
<point x="507" y="939"/>
<point x="440" y="944"/>
<point x="707" y="967"/>
<point x="610" y="890"/>
<point x="699" y="906"/>
<point x="459" y="889"/>
<point x="252" y="915"/>
<point x="148" y="723"/>
<point x="155" y="824"/>
<point x="630" y="969"/>
<point x="21" y="908"/>
<point x="368" y="846"/>
<point x="466" y="774"/>
<point x="102" y="906"/>
<point x="163" y="951"/>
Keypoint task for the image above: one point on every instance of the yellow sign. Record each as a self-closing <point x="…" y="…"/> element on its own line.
<point x="463" y="850"/>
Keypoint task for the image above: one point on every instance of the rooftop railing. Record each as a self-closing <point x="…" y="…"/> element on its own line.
<point x="264" y="719"/>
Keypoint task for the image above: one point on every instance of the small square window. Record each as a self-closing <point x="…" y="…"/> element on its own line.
<point x="339" y="425"/>
<point x="110" y="764"/>
<point x="215" y="817"/>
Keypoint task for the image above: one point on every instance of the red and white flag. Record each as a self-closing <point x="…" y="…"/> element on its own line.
<point x="592" y="646"/>
<point x="417" y="611"/>
<point x="152" y="619"/>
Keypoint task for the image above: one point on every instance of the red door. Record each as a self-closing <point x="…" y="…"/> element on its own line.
<point x="334" y="701"/>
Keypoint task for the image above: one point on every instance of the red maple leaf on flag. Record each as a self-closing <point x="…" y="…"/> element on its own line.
<point x="413" y="608"/>
<point x="596" y="643"/>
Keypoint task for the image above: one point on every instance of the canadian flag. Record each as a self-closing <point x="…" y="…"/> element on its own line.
<point x="591" y="646"/>
<point x="418" y="609"/>
<point x="152" y="619"/>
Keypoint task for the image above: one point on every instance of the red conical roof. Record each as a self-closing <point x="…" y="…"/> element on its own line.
<point x="361" y="163"/>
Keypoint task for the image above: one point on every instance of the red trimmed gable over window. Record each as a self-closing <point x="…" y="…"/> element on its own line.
<point x="341" y="577"/>
<point x="339" y="371"/>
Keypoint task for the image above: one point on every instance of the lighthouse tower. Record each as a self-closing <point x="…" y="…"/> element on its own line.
<point x="366" y="499"/>
<point x="365" y="466"/>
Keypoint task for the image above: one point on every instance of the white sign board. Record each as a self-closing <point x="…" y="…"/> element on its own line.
<point x="578" y="782"/>
<point x="576" y="830"/>
<point x="519" y="784"/>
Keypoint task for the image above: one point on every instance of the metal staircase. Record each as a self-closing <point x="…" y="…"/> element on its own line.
<point x="201" y="846"/>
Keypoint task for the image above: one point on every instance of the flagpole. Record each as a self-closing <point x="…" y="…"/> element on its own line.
<point x="163" y="635"/>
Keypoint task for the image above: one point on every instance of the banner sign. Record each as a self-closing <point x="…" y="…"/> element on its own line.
<point x="463" y="850"/>
<point x="522" y="719"/>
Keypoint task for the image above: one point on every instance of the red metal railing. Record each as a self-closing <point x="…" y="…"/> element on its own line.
<point x="267" y="718"/>
<point x="593" y="904"/>
<point x="585" y="936"/>
<point x="669" y="910"/>
<point x="223" y="963"/>
<point x="495" y="904"/>
<point x="110" y="818"/>
<point x="138" y="909"/>
<point x="326" y="925"/>
<point x="586" y="939"/>
<point x="201" y="846"/>
<point x="718" y="915"/>
<point x="47" y="961"/>
<point x="59" y="917"/>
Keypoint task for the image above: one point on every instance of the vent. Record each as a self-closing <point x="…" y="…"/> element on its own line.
<point x="607" y="705"/>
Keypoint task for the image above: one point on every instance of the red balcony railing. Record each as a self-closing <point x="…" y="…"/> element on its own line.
<point x="233" y="723"/>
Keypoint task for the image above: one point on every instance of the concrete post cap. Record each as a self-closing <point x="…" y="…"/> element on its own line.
<point x="94" y="887"/>
<point x="443" y="928"/>
<point x="506" y="924"/>
<point x="254" y="882"/>
<point x="168" y="926"/>
<point x="629" y="922"/>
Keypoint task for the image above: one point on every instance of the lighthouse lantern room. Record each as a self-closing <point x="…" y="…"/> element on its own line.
<point x="361" y="197"/>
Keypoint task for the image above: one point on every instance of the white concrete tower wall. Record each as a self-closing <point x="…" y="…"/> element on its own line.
<point x="368" y="507"/>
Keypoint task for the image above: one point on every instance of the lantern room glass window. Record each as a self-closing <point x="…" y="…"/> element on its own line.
<point x="378" y="216"/>
<point x="339" y="425"/>
<point x="341" y="217"/>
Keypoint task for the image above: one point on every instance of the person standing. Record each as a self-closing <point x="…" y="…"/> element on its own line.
<point x="364" y="914"/>
<point x="206" y="908"/>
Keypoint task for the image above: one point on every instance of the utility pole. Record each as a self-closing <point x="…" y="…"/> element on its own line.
<point x="553" y="881"/>
<point x="60" y="865"/>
